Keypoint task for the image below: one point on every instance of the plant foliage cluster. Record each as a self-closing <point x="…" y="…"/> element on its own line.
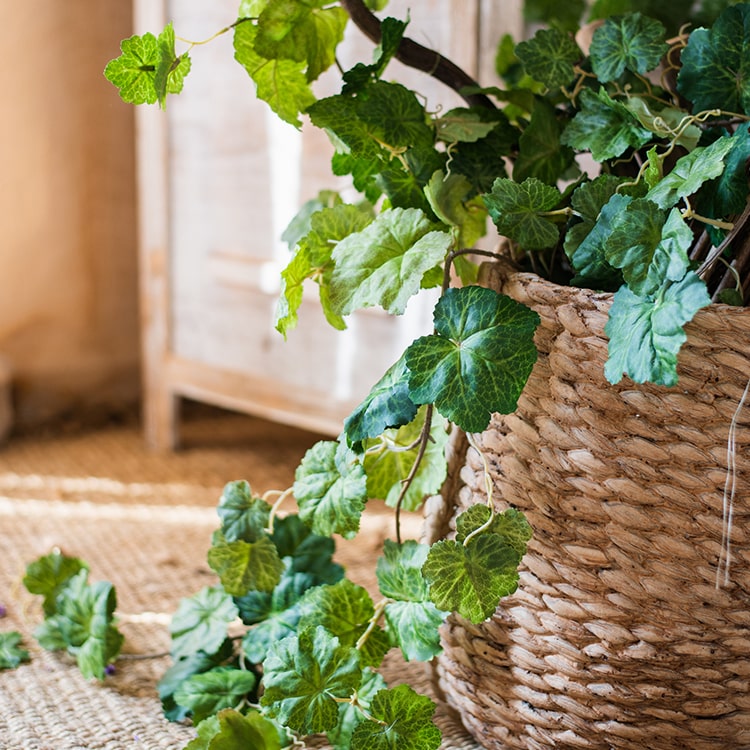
<point x="613" y="157"/>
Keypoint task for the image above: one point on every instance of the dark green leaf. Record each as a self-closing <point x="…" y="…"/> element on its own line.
<point x="510" y="525"/>
<point x="649" y="246"/>
<point x="541" y="153"/>
<point x="345" y="611"/>
<point x="391" y="31"/>
<point x="566" y="15"/>
<point x="49" y="575"/>
<point x="387" y="405"/>
<point x="307" y="553"/>
<point x="207" y="693"/>
<point x="246" y="566"/>
<point x="519" y="211"/>
<point x="479" y="358"/>
<point x="646" y="333"/>
<point x="339" y="116"/>
<point x="331" y="490"/>
<point x="11" y="653"/>
<point x="550" y="57"/>
<point x="633" y="42"/>
<point x="200" y="622"/>
<point x="385" y="262"/>
<point x="715" y="65"/>
<point x="404" y="721"/>
<point x="603" y="126"/>
<point x="482" y="161"/>
<point x="242" y="515"/>
<point x="351" y="716"/>
<point x="304" y="674"/>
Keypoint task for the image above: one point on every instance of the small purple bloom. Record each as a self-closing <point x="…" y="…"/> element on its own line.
<point x="109" y="669"/>
<point x="3" y="610"/>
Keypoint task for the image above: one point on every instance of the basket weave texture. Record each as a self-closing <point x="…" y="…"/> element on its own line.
<point x="619" y="635"/>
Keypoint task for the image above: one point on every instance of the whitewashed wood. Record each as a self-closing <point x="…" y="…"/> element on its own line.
<point x="219" y="179"/>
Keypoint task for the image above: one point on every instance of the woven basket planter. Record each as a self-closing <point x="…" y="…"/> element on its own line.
<point x="619" y="635"/>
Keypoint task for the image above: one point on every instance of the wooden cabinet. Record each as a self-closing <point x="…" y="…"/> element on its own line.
<point x="219" y="178"/>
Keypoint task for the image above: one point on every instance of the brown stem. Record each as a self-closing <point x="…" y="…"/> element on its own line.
<point x="416" y="56"/>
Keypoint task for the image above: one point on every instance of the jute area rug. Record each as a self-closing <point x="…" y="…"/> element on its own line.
<point x="142" y="522"/>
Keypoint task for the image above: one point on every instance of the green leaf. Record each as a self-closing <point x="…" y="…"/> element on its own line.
<point x="351" y="716"/>
<point x="519" y="211"/>
<point x="301" y="223"/>
<point x="470" y="579"/>
<point x="339" y="116"/>
<point x="479" y="358"/>
<point x="134" y="70"/>
<point x="603" y="126"/>
<point x="715" y="65"/>
<point x="690" y="172"/>
<point x="385" y="262"/>
<point x="171" y="68"/>
<point x="449" y="198"/>
<point x="668" y="122"/>
<point x="84" y="625"/>
<point x="183" y="668"/>
<point x="306" y="552"/>
<point x="403" y="721"/>
<point x="11" y="654"/>
<point x="331" y="490"/>
<point x="413" y="620"/>
<point x="207" y="693"/>
<point x="242" y="515"/>
<point x="47" y="577"/>
<point x="646" y="333"/>
<point x="389" y="461"/>
<point x="312" y="260"/>
<point x="510" y="525"/>
<point x="649" y="246"/>
<point x="391" y="32"/>
<point x="200" y="622"/>
<point x="483" y="161"/>
<point x="463" y="125"/>
<point x="303" y="676"/>
<point x="598" y="205"/>
<point x="246" y="566"/>
<point x="345" y="611"/>
<point x="395" y="116"/>
<point x="282" y="84"/>
<point x="632" y="41"/>
<point x="565" y="15"/>
<point x="230" y="730"/>
<point x="386" y="405"/>
<point x="550" y="57"/>
<point x="541" y="153"/>
<point x="301" y="30"/>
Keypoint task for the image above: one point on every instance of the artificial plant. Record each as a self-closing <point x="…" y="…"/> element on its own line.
<point x="613" y="156"/>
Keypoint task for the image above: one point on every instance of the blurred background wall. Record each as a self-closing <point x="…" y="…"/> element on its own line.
<point x="68" y="295"/>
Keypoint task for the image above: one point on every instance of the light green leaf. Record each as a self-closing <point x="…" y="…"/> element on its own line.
<point x="510" y="525"/>
<point x="351" y="716"/>
<point x="649" y="246"/>
<point x="471" y="579"/>
<point x="303" y="31"/>
<point x="715" y="65"/>
<point x="414" y="627"/>
<point x="246" y="566"/>
<point x="389" y="461"/>
<point x="385" y="262"/>
<point x="462" y="125"/>
<point x="331" y="489"/>
<point x="399" y="571"/>
<point x="304" y="674"/>
<point x="449" y="198"/>
<point x="230" y="730"/>
<point x="345" y="610"/>
<point x="171" y="69"/>
<point x="632" y="41"/>
<point x="242" y="515"/>
<point x="646" y="333"/>
<point x="550" y="57"/>
<point x="668" y="123"/>
<point x="603" y="126"/>
<point x="207" y="693"/>
<point x="479" y="358"/>
<point x="404" y="721"/>
<point x="11" y="653"/>
<point x="200" y="622"/>
<point x="134" y="70"/>
<point x="690" y="172"/>
<point x="280" y="83"/>
<point x="386" y="405"/>
<point x="519" y="211"/>
<point x="47" y="577"/>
